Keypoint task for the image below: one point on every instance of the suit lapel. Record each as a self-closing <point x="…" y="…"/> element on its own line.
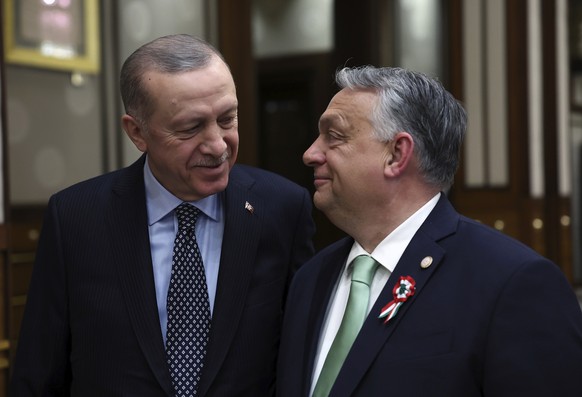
<point x="129" y="241"/>
<point x="239" y="249"/>
<point x="375" y="333"/>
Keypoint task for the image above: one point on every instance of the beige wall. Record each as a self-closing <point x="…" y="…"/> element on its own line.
<point x="285" y="27"/>
<point x="53" y="132"/>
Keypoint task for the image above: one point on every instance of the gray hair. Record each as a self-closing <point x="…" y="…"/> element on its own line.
<point x="412" y="102"/>
<point x="169" y="54"/>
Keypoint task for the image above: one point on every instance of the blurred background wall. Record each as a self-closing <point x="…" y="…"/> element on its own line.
<point x="515" y="64"/>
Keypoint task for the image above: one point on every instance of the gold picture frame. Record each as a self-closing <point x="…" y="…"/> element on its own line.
<point x="54" y="34"/>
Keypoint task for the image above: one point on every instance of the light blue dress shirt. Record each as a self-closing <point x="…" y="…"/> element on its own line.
<point x="163" y="226"/>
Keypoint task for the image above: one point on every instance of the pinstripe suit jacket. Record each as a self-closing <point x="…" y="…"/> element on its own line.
<point x="91" y="324"/>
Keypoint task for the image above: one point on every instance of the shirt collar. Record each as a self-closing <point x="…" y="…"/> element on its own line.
<point x="160" y="202"/>
<point x="389" y="251"/>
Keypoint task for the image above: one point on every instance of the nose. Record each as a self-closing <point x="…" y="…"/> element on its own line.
<point x="214" y="143"/>
<point x="314" y="155"/>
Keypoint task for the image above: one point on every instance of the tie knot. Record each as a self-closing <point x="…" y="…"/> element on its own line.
<point x="363" y="269"/>
<point x="187" y="215"/>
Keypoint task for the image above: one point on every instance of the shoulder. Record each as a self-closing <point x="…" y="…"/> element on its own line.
<point x="489" y="242"/>
<point x="479" y="255"/>
<point x="471" y="239"/>
<point x="129" y="178"/>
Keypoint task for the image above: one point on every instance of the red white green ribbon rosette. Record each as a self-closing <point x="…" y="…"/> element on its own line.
<point x="403" y="290"/>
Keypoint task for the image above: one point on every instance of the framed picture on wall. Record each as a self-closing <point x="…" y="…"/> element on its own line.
<point x="54" y="34"/>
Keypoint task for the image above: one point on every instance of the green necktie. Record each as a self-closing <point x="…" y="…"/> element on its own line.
<point x="363" y="269"/>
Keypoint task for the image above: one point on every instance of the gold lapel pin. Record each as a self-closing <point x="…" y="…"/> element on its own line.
<point x="426" y="262"/>
<point x="249" y="207"/>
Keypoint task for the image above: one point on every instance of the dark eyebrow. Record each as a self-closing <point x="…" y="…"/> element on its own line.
<point x="326" y="120"/>
<point x="233" y="108"/>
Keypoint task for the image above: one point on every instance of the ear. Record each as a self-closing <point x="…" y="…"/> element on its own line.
<point x="401" y="151"/>
<point x="134" y="131"/>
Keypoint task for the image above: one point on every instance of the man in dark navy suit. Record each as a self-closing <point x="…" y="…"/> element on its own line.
<point x="444" y="306"/>
<point x="97" y="309"/>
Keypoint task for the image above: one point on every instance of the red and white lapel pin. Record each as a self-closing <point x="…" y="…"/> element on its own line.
<point x="404" y="289"/>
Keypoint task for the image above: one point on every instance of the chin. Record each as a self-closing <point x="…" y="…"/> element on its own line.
<point x="319" y="202"/>
<point x="215" y="187"/>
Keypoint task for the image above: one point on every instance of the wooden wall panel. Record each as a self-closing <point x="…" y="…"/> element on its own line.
<point x="235" y="43"/>
<point x="23" y="230"/>
<point x="538" y="220"/>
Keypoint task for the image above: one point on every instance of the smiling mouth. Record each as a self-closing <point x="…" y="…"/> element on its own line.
<point x="320" y="180"/>
<point x="213" y="165"/>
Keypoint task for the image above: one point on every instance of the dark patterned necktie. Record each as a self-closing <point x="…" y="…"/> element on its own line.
<point x="188" y="307"/>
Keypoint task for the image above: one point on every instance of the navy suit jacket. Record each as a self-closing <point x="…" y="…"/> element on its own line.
<point x="91" y="325"/>
<point x="490" y="317"/>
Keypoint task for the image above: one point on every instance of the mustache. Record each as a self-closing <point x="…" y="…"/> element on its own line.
<point x="211" y="161"/>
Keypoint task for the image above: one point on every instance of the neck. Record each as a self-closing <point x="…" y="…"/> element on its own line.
<point x="371" y="226"/>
